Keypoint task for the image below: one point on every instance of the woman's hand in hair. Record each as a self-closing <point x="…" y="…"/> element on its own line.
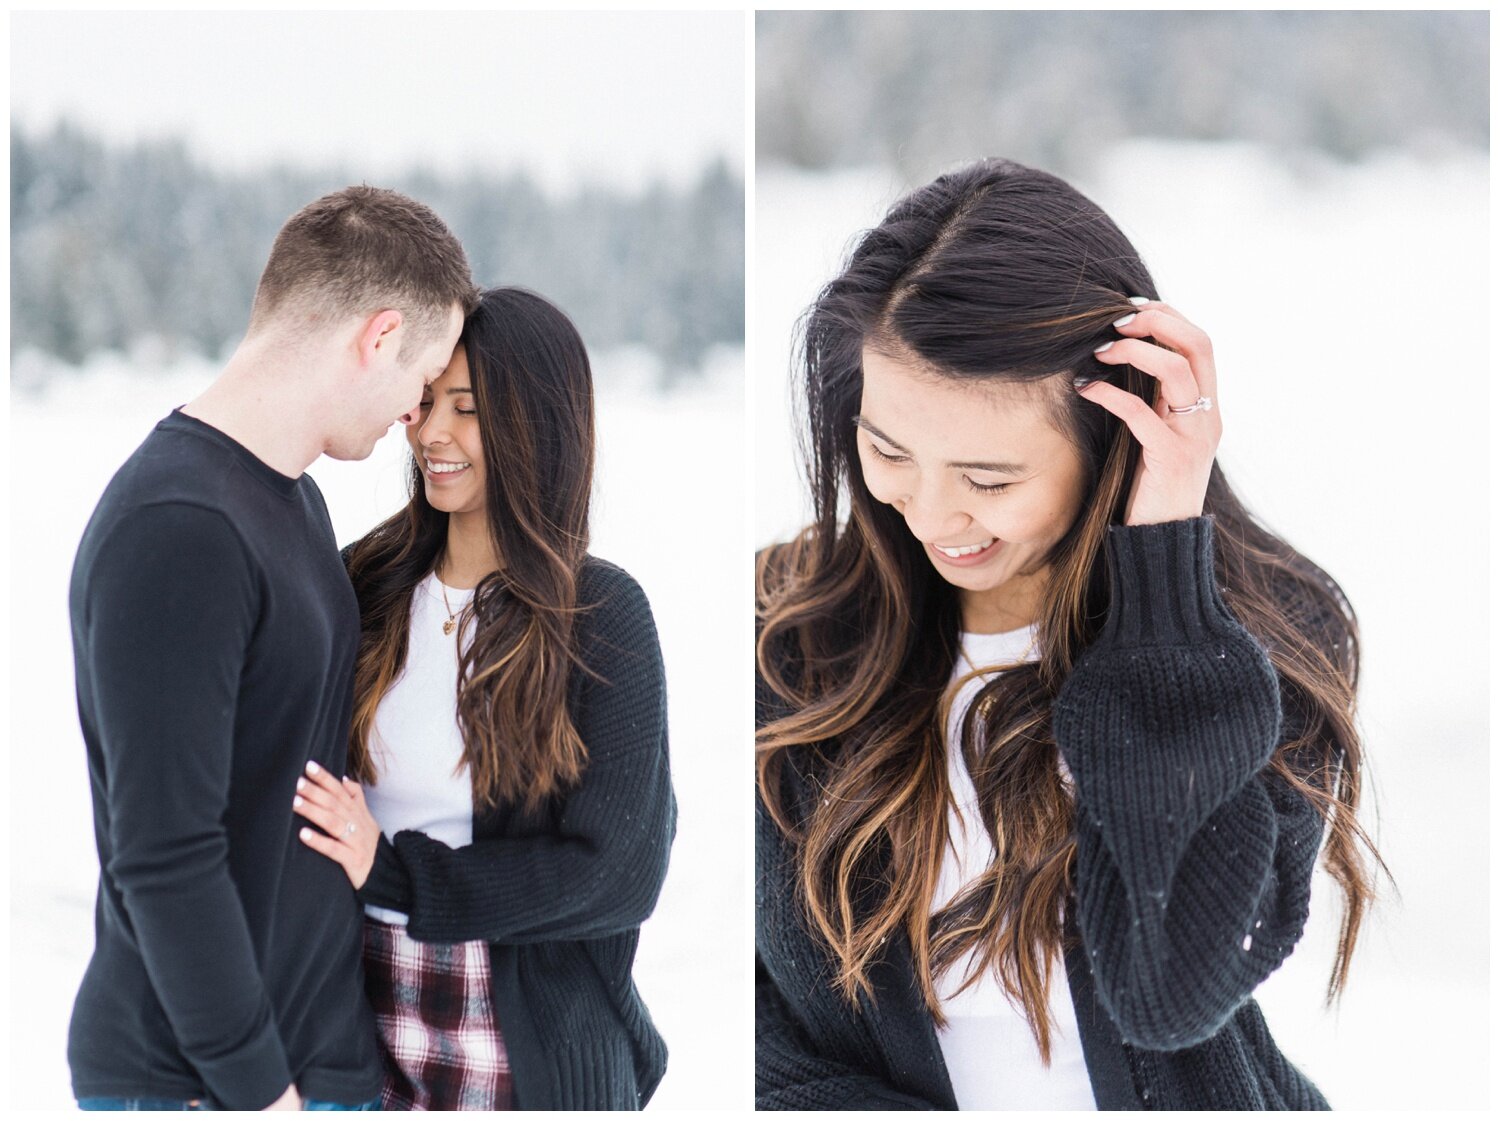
<point x="1177" y="449"/>
<point x="333" y="806"/>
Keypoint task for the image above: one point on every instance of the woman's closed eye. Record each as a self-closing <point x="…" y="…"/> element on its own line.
<point x="977" y="488"/>
<point x="889" y="458"/>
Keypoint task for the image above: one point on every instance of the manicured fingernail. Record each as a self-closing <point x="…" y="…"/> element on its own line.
<point x="304" y="833"/>
<point x="313" y="768"/>
<point x="1139" y="300"/>
<point x="1124" y="319"/>
<point x="1103" y="347"/>
<point x="297" y="802"/>
<point x="301" y="784"/>
<point x="1082" y="381"/>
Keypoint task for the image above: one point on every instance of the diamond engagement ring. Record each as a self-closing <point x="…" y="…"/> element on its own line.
<point x="1204" y="403"/>
<point x="349" y="828"/>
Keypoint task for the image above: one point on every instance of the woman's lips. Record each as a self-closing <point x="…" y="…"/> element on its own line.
<point x="968" y="560"/>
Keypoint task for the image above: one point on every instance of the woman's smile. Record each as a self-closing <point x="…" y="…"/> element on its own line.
<point x="440" y="471"/>
<point x="966" y="555"/>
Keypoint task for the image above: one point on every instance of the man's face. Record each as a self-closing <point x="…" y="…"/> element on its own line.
<point x="391" y="388"/>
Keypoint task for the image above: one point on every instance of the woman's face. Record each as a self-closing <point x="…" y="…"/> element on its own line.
<point x="984" y="480"/>
<point x="445" y="441"/>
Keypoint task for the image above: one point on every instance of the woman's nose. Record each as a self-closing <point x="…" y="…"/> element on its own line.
<point x="931" y="518"/>
<point x="432" y="430"/>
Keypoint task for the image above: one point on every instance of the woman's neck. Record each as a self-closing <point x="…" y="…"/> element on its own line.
<point x="469" y="554"/>
<point x="1015" y="604"/>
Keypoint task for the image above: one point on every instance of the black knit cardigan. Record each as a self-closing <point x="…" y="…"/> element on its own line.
<point x="560" y="894"/>
<point x="1191" y="882"/>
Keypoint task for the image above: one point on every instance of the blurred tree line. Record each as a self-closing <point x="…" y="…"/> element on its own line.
<point x="113" y="244"/>
<point x="918" y="91"/>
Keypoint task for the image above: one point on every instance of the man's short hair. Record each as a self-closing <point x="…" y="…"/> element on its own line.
<point x="360" y="250"/>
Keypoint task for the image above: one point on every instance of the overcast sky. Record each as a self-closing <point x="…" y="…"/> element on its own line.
<point x="617" y="96"/>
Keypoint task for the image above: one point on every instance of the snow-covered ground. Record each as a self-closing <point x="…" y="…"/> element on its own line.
<point x="670" y="509"/>
<point x="1348" y="308"/>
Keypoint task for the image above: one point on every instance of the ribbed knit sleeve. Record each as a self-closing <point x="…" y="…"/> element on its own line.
<point x="601" y="870"/>
<point x="1194" y="860"/>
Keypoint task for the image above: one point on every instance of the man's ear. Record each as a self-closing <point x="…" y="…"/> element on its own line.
<point x="378" y="337"/>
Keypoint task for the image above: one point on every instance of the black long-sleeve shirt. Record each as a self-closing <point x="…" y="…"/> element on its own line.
<point x="214" y="634"/>
<point x="1191" y="883"/>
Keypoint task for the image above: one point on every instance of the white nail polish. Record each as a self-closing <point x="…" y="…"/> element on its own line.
<point x="1139" y="300"/>
<point x="297" y="802"/>
<point x="1103" y="347"/>
<point x="312" y="768"/>
<point x="1123" y="320"/>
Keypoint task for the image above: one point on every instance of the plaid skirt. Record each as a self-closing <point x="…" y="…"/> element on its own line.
<point x="439" y="1040"/>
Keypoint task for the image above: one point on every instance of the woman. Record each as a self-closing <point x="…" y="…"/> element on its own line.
<point x="1049" y="728"/>
<point x="510" y="825"/>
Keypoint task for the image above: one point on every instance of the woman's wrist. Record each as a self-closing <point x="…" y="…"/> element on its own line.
<point x="1163" y="590"/>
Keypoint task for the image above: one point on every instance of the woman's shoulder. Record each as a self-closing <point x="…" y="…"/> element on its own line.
<point x="613" y="606"/>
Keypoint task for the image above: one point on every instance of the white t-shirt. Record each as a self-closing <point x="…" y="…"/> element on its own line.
<point x="987" y="1045"/>
<point x="415" y="742"/>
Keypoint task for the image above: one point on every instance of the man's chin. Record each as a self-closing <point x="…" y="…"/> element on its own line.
<point x="349" y="453"/>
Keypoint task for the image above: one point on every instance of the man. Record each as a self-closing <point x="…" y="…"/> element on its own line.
<point x="214" y="637"/>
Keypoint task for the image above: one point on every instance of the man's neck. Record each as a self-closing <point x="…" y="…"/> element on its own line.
<point x="257" y="405"/>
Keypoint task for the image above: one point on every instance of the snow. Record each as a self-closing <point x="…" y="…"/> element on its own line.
<point x="1347" y="305"/>
<point x="668" y="509"/>
<point x="1348" y="309"/>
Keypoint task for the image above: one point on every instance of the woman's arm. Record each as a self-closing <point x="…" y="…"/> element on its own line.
<point x="789" y="1074"/>
<point x="1194" y="860"/>
<point x="601" y="872"/>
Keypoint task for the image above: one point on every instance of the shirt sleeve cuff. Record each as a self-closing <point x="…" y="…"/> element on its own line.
<point x="1163" y="589"/>
<point x="253" y="1076"/>
<point x="389" y="883"/>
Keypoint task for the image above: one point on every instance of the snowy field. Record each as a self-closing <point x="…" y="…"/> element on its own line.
<point x="1348" y="308"/>
<point x="669" y="508"/>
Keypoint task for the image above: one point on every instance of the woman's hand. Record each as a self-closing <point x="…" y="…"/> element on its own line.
<point x="350" y="833"/>
<point x="1177" y="449"/>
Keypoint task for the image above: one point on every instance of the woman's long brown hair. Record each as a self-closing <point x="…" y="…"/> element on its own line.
<point x="996" y="271"/>
<point x="533" y="393"/>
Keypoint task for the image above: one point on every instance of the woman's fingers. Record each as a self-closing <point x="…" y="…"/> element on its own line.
<point x="1168" y="327"/>
<point x="1148" y="428"/>
<point x="330" y="821"/>
<point x="1178" y="386"/>
<point x="325" y="845"/>
<point x="321" y="776"/>
<point x="311" y="792"/>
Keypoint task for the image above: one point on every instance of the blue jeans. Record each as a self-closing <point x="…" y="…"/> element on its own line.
<point x="174" y="1105"/>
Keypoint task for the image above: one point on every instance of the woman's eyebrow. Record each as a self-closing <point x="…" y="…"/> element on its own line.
<point x="997" y="468"/>
<point x="873" y="431"/>
<point x="459" y="389"/>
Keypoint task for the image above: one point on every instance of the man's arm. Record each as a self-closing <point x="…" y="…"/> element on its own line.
<point x="169" y="607"/>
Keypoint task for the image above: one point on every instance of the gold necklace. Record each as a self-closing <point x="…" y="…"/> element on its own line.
<point x="988" y="702"/>
<point x="452" y="614"/>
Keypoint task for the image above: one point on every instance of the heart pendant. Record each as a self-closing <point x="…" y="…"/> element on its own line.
<point x="448" y="627"/>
